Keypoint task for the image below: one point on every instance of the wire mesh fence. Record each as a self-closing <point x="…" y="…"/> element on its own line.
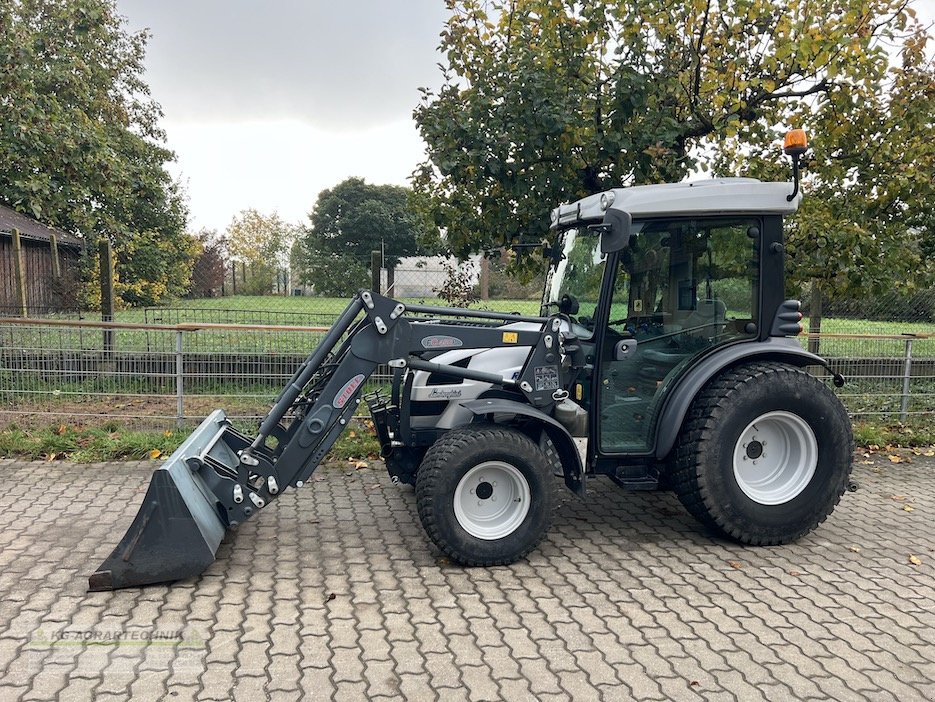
<point x="157" y="376"/>
<point x="148" y="377"/>
<point x="890" y="377"/>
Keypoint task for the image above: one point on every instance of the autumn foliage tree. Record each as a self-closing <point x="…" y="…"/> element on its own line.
<point x="261" y="244"/>
<point x="80" y="143"/>
<point x="865" y="226"/>
<point x="209" y="269"/>
<point x="546" y="101"/>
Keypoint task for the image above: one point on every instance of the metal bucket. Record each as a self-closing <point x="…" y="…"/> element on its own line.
<point x="179" y="526"/>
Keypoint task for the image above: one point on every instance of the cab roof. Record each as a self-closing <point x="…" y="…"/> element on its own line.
<point x="702" y="197"/>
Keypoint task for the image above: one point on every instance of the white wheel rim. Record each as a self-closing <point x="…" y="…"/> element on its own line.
<point x="775" y="458"/>
<point x="491" y="500"/>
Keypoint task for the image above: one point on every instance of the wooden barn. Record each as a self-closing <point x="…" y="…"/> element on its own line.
<point x="38" y="267"/>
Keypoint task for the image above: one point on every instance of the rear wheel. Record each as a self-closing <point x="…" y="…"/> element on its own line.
<point x="765" y="454"/>
<point x="485" y="494"/>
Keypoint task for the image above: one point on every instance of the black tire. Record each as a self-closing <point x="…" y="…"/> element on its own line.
<point x="457" y="454"/>
<point x="705" y="478"/>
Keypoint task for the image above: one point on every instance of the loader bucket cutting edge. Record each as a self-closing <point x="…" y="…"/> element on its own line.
<point x="177" y="529"/>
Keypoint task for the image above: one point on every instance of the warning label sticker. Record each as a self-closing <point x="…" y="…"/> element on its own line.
<point x="546" y="378"/>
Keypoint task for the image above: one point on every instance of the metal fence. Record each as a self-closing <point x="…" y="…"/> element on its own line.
<point x="142" y="375"/>
<point x="889" y="377"/>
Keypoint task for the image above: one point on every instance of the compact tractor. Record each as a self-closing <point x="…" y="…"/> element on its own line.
<point x="665" y="349"/>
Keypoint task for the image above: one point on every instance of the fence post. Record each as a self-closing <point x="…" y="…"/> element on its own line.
<point x="484" y="278"/>
<point x="907" y="371"/>
<point x="179" y="381"/>
<point x="20" y="274"/>
<point x="107" y="290"/>
<point x="56" y="264"/>
<point x="376" y="263"/>
<point x="814" y="318"/>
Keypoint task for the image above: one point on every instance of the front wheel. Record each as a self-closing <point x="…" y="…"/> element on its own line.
<point x="764" y="455"/>
<point x="485" y="494"/>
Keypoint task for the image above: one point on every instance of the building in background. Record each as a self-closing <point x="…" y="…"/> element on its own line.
<point x="42" y="277"/>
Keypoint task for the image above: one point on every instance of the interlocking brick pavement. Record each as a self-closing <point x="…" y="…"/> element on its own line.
<point x="333" y="592"/>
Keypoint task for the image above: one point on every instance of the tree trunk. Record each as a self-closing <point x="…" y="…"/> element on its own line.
<point x="484" y="278"/>
<point x="814" y="316"/>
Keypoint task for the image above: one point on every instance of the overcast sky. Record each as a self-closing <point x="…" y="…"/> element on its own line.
<point x="267" y="103"/>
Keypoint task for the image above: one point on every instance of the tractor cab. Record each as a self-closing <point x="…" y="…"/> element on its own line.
<point x="705" y="274"/>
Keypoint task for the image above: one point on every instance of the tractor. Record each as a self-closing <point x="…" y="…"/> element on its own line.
<point x="664" y="356"/>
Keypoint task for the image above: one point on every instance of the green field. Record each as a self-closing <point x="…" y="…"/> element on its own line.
<point x="321" y="311"/>
<point x="254" y="309"/>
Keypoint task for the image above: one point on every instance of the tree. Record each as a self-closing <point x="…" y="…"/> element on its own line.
<point x="350" y="221"/>
<point x="262" y="243"/>
<point x="209" y="269"/>
<point x="865" y="226"/>
<point x="80" y="142"/>
<point x="545" y="101"/>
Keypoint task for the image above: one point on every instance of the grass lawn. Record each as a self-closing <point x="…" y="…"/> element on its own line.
<point x="256" y="309"/>
<point x="321" y="311"/>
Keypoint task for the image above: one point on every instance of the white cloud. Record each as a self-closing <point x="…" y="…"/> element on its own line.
<point x="336" y="65"/>
<point x="268" y="103"/>
<point x="282" y="165"/>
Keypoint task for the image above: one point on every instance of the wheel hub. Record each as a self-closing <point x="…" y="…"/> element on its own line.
<point x="484" y="491"/>
<point x="492" y="500"/>
<point x="775" y="458"/>
<point x="754" y="449"/>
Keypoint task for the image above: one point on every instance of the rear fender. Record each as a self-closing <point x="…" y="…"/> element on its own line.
<point x="778" y="349"/>
<point x="558" y="435"/>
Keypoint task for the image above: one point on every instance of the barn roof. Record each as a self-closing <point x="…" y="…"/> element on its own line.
<point x="30" y="228"/>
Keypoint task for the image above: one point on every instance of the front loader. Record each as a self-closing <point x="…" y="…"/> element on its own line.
<point x="664" y="345"/>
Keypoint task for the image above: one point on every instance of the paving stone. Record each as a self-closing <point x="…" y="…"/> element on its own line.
<point x="626" y="598"/>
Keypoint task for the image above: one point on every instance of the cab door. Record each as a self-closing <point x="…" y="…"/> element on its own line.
<point x="682" y="288"/>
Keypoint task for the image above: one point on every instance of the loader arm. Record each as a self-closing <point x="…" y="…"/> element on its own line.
<point x="219" y="477"/>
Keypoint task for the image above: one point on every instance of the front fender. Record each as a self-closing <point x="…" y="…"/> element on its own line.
<point x="558" y="435"/>
<point x="680" y="398"/>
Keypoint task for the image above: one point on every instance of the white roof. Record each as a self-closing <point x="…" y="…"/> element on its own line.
<point x="703" y="197"/>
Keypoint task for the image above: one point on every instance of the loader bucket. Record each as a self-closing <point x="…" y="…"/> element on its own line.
<point x="178" y="527"/>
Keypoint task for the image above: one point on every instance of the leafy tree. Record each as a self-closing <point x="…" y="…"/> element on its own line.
<point x="869" y="184"/>
<point x="263" y="243"/>
<point x="505" y="286"/>
<point x="546" y="101"/>
<point x="80" y="142"/>
<point x="350" y="221"/>
<point x="209" y="269"/>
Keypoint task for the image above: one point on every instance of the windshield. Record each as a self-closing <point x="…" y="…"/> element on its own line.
<point x="577" y="274"/>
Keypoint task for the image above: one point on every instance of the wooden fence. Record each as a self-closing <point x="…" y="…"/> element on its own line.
<point x="37" y="275"/>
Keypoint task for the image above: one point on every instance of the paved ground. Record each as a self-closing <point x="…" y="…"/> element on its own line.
<point x="334" y="593"/>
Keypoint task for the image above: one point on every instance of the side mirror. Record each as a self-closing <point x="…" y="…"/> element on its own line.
<point x="615" y="231"/>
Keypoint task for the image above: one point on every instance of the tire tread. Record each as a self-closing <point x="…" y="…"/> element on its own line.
<point x="438" y="461"/>
<point x="698" y="430"/>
